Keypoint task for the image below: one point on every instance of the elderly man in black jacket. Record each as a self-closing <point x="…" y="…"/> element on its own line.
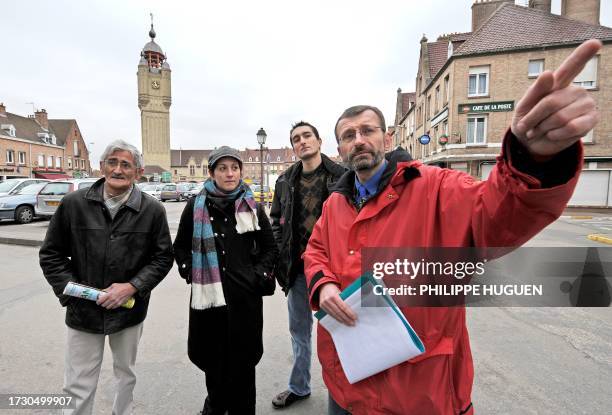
<point x="298" y="201"/>
<point x="115" y="238"/>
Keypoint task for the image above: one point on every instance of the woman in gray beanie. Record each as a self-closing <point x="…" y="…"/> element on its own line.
<point x="225" y="248"/>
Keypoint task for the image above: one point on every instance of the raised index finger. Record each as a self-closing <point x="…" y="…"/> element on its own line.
<point x="575" y="62"/>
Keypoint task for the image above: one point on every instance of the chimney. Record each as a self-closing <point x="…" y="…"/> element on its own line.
<point x="586" y="11"/>
<point x="2" y="109"/>
<point x="543" y="5"/>
<point x="41" y="118"/>
<point x="483" y="9"/>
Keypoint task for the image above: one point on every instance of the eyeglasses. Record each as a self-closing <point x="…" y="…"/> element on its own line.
<point x="366" y="132"/>
<point x="113" y="163"/>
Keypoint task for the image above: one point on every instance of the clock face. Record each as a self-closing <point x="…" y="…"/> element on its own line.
<point x="155" y="84"/>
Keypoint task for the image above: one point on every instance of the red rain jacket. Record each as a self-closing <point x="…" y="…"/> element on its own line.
<point x="424" y="206"/>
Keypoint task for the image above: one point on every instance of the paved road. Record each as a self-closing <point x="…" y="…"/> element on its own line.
<point x="527" y="360"/>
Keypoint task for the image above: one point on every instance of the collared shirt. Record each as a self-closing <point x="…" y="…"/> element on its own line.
<point x="370" y="187"/>
<point x="113" y="203"/>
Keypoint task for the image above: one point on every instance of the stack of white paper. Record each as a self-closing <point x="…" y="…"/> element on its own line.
<point x="381" y="338"/>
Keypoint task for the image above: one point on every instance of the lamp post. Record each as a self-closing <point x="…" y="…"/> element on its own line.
<point x="261" y="139"/>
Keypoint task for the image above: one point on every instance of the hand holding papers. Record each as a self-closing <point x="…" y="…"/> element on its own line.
<point x="89" y="293"/>
<point x="381" y="337"/>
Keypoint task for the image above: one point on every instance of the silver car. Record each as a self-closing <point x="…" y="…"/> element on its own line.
<point x="153" y="189"/>
<point x="52" y="194"/>
<point x="13" y="186"/>
<point x="20" y="206"/>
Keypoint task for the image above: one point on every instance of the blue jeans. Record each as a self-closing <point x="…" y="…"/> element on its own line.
<point x="300" y="327"/>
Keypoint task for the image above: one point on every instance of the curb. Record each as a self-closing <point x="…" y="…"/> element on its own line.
<point x="19" y="241"/>
<point x="576" y="217"/>
<point x="600" y="238"/>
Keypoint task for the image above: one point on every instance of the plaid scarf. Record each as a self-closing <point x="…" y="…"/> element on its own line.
<point x="206" y="287"/>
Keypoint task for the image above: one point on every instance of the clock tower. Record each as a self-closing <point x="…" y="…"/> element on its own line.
<point x="154" y="100"/>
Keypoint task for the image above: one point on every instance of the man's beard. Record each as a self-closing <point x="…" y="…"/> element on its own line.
<point x="365" y="163"/>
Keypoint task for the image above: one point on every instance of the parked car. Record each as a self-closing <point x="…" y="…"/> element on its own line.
<point x="52" y="194"/>
<point x="20" y="206"/>
<point x="171" y="191"/>
<point x="196" y="190"/>
<point x="13" y="186"/>
<point x="153" y="189"/>
<point x="268" y="195"/>
<point x="186" y="188"/>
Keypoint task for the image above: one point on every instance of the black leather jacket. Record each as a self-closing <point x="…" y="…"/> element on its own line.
<point x="281" y="214"/>
<point x="84" y="245"/>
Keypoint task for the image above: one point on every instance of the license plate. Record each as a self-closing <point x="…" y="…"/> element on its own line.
<point x="53" y="203"/>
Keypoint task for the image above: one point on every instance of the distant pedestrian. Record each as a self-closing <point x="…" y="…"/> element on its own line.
<point x="225" y="248"/>
<point x="112" y="237"/>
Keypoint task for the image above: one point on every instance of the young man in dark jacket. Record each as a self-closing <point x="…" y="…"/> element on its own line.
<point x="298" y="201"/>
<point x="115" y="238"/>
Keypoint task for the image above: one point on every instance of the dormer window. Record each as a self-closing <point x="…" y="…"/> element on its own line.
<point x="250" y="158"/>
<point x="9" y="129"/>
<point x="278" y="158"/>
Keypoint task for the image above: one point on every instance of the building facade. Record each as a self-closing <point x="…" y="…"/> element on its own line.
<point x="36" y="146"/>
<point x="192" y="165"/>
<point x="468" y="85"/>
<point x="154" y="100"/>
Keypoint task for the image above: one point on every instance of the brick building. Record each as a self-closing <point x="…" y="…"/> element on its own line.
<point x="192" y="165"/>
<point x="35" y="146"/>
<point x="468" y="84"/>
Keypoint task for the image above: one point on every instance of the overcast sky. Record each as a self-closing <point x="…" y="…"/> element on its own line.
<point x="236" y="65"/>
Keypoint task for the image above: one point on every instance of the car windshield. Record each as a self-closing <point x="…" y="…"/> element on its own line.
<point x="32" y="189"/>
<point x="183" y="187"/>
<point x="56" y="189"/>
<point x="7" y="185"/>
<point x="85" y="185"/>
<point x="150" y="187"/>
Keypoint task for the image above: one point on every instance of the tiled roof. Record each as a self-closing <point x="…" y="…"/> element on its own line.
<point x="25" y="127"/>
<point x="407" y="98"/>
<point x="514" y="27"/>
<point x="62" y="129"/>
<point x="180" y="158"/>
<point x="284" y="153"/>
<point x="438" y="54"/>
<point x="153" y="169"/>
<point x="460" y="37"/>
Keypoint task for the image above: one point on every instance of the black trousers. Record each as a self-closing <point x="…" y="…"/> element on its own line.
<point x="226" y="343"/>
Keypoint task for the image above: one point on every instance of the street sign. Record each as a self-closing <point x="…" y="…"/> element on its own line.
<point x="424" y="139"/>
<point x="166" y="177"/>
<point x="501" y="106"/>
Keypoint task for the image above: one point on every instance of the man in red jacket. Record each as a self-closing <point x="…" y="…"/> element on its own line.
<point x="394" y="201"/>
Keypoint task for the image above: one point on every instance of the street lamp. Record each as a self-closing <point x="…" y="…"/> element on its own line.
<point x="261" y="139"/>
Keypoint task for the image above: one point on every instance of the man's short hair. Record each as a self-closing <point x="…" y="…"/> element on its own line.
<point x="303" y="124"/>
<point x="120" y="145"/>
<point x="355" y="111"/>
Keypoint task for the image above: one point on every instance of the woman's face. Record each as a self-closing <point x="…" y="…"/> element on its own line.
<point x="227" y="174"/>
